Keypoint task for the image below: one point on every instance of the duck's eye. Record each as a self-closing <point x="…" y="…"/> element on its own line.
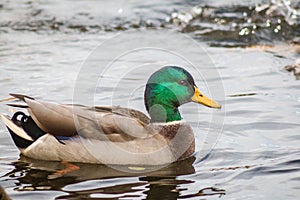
<point x="183" y="82"/>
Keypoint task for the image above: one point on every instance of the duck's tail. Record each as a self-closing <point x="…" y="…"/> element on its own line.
<point x="22" y="129"/>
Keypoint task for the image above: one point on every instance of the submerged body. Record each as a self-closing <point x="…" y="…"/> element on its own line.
<point x="112" y="135"/>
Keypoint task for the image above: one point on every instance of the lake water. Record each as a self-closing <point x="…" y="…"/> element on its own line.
<point x="97" y="52"/>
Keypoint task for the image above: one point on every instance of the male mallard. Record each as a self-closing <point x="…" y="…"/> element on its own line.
<point x="112" y="135"/>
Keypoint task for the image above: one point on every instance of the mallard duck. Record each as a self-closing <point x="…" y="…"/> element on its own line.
<point x="112" y="134"/>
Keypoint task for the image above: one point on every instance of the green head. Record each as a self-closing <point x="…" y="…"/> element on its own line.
<point x="167" y="89"/>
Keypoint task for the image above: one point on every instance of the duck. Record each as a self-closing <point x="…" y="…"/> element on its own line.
<point x="112" y="135"/>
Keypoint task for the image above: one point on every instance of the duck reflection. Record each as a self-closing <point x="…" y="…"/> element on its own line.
<point x="66" y="177"/>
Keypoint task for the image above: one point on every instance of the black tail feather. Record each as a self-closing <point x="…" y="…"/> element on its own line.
<point x="21" y="96"/>
<point x="19" y="141"/>
<point x="17" y="105"/>
<point x="29" y="126"/>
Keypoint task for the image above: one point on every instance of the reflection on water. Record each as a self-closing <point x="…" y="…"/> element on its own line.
<point x="100" y="181"/>
<point x="43" y="46"/>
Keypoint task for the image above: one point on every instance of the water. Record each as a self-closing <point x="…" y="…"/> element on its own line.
<point x="43" y="46"/>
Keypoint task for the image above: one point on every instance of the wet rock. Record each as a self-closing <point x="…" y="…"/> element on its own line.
<point x="3" y="194"/>
<point x="234" y="26"/>
<point x="296" y="40"/>
<point x="295" y="68"/>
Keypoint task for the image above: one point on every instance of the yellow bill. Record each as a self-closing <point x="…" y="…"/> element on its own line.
<point x="200" y="98"/>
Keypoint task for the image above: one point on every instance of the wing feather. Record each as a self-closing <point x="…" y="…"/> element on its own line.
<point x="100" y="122"/>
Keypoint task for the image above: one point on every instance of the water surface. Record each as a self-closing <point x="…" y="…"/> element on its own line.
<point x="43" y="46"/>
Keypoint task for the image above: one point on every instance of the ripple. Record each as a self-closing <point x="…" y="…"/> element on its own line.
<point x="226" y="26"/>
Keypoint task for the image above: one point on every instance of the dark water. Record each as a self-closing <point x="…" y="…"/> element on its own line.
<point x="44" y="45"/>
